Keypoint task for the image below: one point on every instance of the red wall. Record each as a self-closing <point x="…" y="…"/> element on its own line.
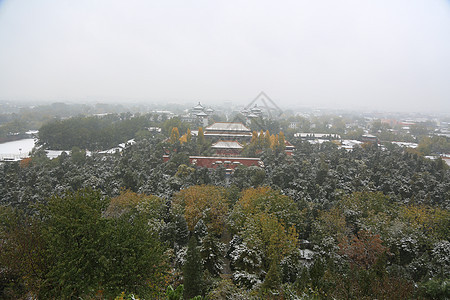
<point x="210" y="161"/>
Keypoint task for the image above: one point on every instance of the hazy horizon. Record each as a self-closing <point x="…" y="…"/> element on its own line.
<point x="363" y="55"/>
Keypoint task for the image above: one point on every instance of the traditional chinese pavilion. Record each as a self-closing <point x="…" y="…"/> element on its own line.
<point x="228" y="131"/>
<point x="227" y="148"/>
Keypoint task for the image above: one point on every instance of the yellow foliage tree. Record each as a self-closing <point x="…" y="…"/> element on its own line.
<point x="183" y="139"/>
<point x="201" y="136"/>
<point x="174" y="136"/>
<point x="254" y="140"/>
<point x="331" y="223"/>
<point x="278" y="241"/>
<point x="205" y="202"/>
<point x="281" y="140"/>
<point x="255" y="201"/>
<point x="188" y="135"/>
<point x="267" y="141"/>
<point x="273" y="141"/>
<point x="431" y="220"/>
<point x="266" y="232"/>
<point x="261" y="139"/>
<point x="127" y="200"/>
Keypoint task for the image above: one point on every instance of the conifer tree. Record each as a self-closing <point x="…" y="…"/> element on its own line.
<point x="212" y="252"/>
<point x="273" y="278"/>
<point x="192" y="271"/>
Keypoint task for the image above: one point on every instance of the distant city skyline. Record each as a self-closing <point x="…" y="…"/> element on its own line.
<point x="351" y="54"/>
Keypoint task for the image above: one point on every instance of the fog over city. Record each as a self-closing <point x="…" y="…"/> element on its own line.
<point x="382" y="55"/>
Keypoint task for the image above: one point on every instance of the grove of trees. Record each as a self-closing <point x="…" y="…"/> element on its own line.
<point x="325" y="223"/>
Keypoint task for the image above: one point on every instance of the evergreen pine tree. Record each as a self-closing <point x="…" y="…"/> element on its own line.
<point x="273" y="278"/>
<point x="192" y="271"/>
<point x="212" y="253"/>
<point x="181" y="231"/>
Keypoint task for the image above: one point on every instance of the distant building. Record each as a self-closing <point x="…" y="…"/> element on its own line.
<point x="406" y="144"/>
<point x="155" y="129"/>
<point x="227" y="148"/>
<point x="229" y="131"/>
<point x="161" y="115"/>
<point x="349" y="145"/>
<point x="289" y="149"/>
<point x="197" y="109"/>
<point x="369" y="138"/>
<point x="198" y="115"/>
<point x="227" y="162"/>
<point x="270" y="108"/>
<point x="209" y="111"/>
<point x="319" y="136"/>
<point x="253" y="112"/>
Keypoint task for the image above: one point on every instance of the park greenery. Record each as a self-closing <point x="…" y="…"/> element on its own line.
<point x="325" y="223"/>
<point x="103" y="126"/>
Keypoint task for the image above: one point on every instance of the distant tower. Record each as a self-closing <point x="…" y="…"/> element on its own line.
<point x="197" y="109"/>
<point x="269" y="105"/>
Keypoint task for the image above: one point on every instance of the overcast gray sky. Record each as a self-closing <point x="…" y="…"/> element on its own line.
<point x="378" y="54"/>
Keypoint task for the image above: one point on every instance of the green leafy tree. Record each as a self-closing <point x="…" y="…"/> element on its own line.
<point x="88" y="253"/>
<point x="175" y="294"/>
<point x="78" y="155"/>
<point x="23" y="262"/>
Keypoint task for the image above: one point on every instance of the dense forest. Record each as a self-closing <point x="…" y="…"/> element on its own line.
<point x="92" y="133"/>
<point x="324" y="223"/>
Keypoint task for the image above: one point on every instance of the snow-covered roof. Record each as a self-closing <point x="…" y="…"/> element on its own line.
<point x="32" y="132"/>
<point x="154" y="129"/>
<point x="111" y="151"/>
<point x="198" y="106"/>
<point x="307" y="254"/>
<point x="405" y="144"/>
<point x="256" y="109"/>
<point x="433" y="157"/>
<point x="201" y="114"/>
<point x="228" y="135"/>
<point x="55" y="153"/>
<point x="131" y="142"/>
<point x="316" y="135"/>
<point x="317" y="141"/>
<point x="227" y="145"/>
<point x="228" y="126"/>
<point x="349" y="144"/>
<point x="288" y="145"/>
